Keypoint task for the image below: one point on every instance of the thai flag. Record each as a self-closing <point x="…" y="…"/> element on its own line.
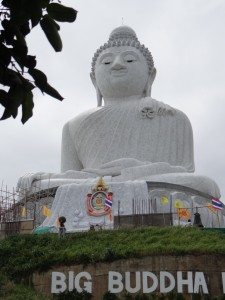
<point x="217" y="204"/>
<point x="108" y="202"/>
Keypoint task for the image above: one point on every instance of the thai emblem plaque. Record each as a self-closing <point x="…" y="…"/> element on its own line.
<point x="99" y="201"/>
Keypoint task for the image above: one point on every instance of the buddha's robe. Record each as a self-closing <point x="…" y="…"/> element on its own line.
<point x="137" y="140"/>
<point x="145" y="130"/>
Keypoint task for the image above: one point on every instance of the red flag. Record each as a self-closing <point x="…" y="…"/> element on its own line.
<point x="58" y="223"/>
<point x="217" y="204"/>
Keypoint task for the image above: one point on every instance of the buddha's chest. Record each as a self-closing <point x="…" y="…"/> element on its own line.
<point x="126" y="135"/>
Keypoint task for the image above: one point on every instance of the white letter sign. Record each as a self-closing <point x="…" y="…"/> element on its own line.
<point x="115" y="278"/>
<point x="58" y="282"/>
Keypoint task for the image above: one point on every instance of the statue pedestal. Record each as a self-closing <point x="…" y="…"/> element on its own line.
<point x="129" y="198"/>
<point x="71" y="202"/>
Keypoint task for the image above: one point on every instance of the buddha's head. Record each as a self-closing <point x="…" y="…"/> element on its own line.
<point x="122" y="67"/>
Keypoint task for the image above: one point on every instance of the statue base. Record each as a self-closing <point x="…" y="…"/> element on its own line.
<point x="130" y="198"/>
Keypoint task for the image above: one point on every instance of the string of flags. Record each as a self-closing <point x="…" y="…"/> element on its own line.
<point x="183" y="213"/>
<point x="23" y="212"/>
<point x="164" y="200"/>
<point x="108" y="202"/>
<point x="46" y="211"/>
<point x="215" y="205"/>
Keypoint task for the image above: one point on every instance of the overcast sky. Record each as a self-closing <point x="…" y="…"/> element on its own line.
<point x="187" y="41"/>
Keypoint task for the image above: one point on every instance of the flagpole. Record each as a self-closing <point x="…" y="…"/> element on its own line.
<point x="178" y="212"/>
<point x="119" y="213"/>
<point x="163" y="215"/>
<point x="171" y="216"/>
<point x="218" y="220"/>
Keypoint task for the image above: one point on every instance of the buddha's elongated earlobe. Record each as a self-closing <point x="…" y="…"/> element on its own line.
<point x="148" y="89"/>
<point x="98" y="93"/>
<point x="99" y="97"/>
<point x="151" y="78"/>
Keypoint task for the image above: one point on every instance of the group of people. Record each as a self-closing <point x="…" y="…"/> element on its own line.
<point x="197" y="221"/>
<point x="96" y="227"/>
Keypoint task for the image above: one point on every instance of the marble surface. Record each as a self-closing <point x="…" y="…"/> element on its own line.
<point x="131" y="138"/>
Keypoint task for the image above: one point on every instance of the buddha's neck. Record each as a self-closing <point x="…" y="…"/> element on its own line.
<point x="121" y="100"/>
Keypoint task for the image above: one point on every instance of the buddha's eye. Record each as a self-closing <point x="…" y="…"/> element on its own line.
<point x="106" y="60"/>
<point x="130" y="58"/>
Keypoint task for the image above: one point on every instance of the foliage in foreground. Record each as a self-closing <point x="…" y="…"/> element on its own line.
<point x="11" y="291"/>
<point x="109" y="296"/>
<point x="21" y="255"/>
<point x="17" y="68"/>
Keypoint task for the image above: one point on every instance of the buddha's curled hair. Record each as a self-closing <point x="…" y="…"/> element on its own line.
<point x="123" y="36"/>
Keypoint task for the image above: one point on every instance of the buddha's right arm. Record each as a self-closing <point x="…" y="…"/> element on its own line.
<point x="69" y="157"/>
<point x="69" y="163"/>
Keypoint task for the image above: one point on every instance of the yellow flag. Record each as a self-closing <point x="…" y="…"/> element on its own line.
<point x="183" y="213"/>
<point x="23" y="212"/>
<point x="210" y="207"/>
<point x="178" y="204"/>
<point x="164" y="200"/>
<point x="110" y="218"/>
<point x="46" y="211"/>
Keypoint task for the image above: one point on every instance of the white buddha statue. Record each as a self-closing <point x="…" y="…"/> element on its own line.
<point x="131" y="137"/>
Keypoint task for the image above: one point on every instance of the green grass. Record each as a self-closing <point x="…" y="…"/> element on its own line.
<point x="11" y="291"/>
<point x="23" y="254"/>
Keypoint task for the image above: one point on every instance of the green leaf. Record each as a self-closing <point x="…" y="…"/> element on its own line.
<point x="5" y="55"/>
<point x="16" y="94"/>
<point x="28" y="86"/>
<point x="6" y="3"/>
<point x="44" y="3"/>
<point x="35" y="9"/>
<point x="27" y="107"/>
<point x="25" y="28"/>
<point x="6" y="114"/>
<point x="8" y="32"/>
<point x="50" y="28"/>
<point x="14" y="99"/>
<point x="10" y="77"/>
<point x="39" y="77"/>
<point x="52" y="92"/>
<point x="3" y="98"/>
<point x="20" y="38"/>
<point x="30" y="61"/>
<point x="19" y="51"/>
<point x="19" y="11"/>
<point x="61" y="13"/>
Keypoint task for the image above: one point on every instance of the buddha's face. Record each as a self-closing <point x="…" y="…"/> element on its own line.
<point x="121" y="72"/>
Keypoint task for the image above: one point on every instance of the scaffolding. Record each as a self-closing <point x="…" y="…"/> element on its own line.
<point x="21" y="212"/>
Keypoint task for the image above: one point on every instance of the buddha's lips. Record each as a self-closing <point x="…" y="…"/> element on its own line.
<point x="119" y="72"/>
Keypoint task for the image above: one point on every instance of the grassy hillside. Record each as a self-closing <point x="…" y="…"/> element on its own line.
<point x="12" y="291"/>
<point x="21" y="255"/>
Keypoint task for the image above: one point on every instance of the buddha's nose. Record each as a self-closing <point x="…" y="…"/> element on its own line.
<point x="118" y="63"/>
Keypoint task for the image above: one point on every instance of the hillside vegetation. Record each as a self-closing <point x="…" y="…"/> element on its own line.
<point x="23" y="254"/>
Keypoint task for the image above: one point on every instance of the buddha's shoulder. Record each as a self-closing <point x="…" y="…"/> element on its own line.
<point x="160" y="108"/>
<point x="79" y="119"/>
